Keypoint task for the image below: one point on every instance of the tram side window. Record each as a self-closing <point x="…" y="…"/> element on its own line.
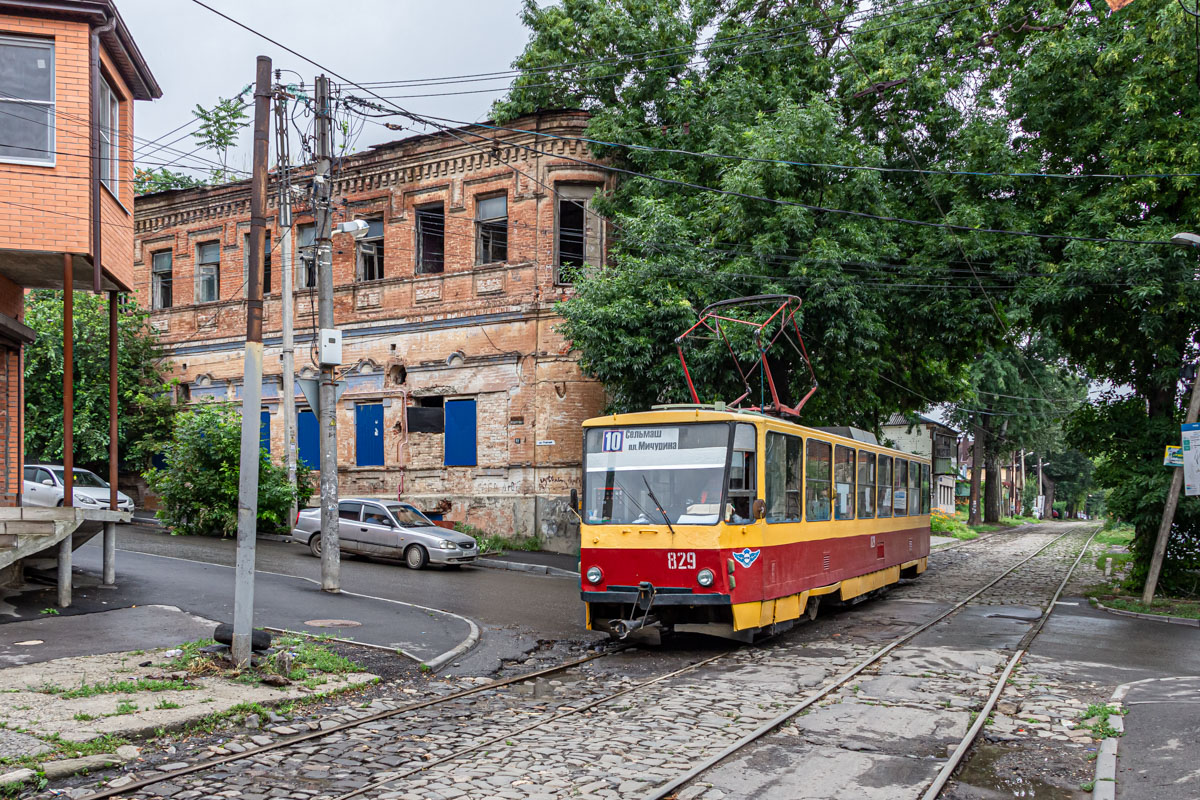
<point x="885" y="486"/>
<point x="742" y="483"/>
<point x="817" y="481"/>
<point x="782" y="478"/>
<point x="925" y="489"/>
<point x="914" y="488"/>
<point x="866" y="484"/>
<point x="900" y="488"/>
<point x="843" y="482"/>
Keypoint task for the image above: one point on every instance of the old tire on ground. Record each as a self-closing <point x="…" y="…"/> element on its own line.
<point x="314" y="545"/>
<point x="259" y="640"/>
<point x="415" y="557"/>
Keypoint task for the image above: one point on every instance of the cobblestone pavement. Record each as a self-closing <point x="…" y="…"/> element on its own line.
<point x="887" y="730"/>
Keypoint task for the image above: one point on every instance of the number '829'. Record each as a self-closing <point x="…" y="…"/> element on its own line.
<point x="681" y="560"/>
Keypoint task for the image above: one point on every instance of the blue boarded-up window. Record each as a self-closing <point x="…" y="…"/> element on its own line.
<point x="308" y="439"/>
<point x="460" y="433"/>
<point x="368" y="434"/>
<point x="264" y="430"/>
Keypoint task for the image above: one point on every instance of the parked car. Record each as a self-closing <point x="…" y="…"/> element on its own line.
<point x="389" y="529"/>
<point x="43" y="486"/>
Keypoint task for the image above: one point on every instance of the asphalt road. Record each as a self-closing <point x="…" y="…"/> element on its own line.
<point x="513" y="610"/>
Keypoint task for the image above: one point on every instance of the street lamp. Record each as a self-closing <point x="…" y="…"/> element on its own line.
<point x="1168" y="517"/>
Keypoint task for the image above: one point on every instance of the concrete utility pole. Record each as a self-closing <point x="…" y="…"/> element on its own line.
<point x="1168" y="517"/>
<point x="243" y="597"/>
<point x="286" y="299"/>
<point x="1041" y="486"/>
<point x="331" y="580"/>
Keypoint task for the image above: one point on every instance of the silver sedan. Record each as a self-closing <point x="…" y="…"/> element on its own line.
<point x="389" y="529"/>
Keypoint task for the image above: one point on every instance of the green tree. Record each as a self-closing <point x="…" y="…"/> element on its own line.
<point x="144" y="403"/>
<point x="149" y="181"/>
<point x="198" y="487"/>
<point x="218" y="131"/>
<point x="887" y="319"/>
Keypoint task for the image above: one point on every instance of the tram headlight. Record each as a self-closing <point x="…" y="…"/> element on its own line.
<point x="705" y="578"/>
<point x="594" y="575"/>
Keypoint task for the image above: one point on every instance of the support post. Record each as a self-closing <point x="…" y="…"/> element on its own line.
<point x="65" y="546"/>
<point x="110" y="528"/>
<point x="243" y="599"/>
<point x="330" y="546"/>
<point x="1168" y="517"/>
<point x="286" y="298"/>
<point x="110" y="554"/>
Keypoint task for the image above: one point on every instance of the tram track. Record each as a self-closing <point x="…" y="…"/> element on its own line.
<point x="955" y="759"/>
<point x="567" y="708"/>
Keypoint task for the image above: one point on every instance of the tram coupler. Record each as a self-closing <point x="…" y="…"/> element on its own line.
<point x="623" y="627"/>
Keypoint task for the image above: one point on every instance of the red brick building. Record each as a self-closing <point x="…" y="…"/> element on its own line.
<point x="461" y="393"/>
<point x="69" y="75"/>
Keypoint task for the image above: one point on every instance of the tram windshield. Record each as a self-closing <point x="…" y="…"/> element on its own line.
<point x="680" y="466"/>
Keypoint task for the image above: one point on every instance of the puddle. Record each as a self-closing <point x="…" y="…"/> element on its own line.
<point x="993" y="772"/>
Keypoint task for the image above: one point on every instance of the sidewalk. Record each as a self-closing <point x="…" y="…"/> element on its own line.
<point x="557" y="564"/>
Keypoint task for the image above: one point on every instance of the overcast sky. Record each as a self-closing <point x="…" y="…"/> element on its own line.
<point x="197" y="56"/>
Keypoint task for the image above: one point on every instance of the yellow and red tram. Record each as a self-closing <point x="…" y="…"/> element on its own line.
<point x="714" y="520"/>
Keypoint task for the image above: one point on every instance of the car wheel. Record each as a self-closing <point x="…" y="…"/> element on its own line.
<point x="314" y="545"/>
<point x="60" y="502"/>
<point x="415" y="557"/>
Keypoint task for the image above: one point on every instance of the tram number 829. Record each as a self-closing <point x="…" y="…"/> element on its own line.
<point x="681" y="560"/>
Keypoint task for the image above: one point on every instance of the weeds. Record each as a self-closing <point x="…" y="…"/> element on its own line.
<point x="492" y="542"/>
<point x="116" y="687"/>
<point x="1101" y="729"/>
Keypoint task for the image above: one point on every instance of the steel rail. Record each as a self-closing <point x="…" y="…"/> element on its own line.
<point x="952" y="763"/>
<point x="666" y="790"/>
<point x="497" y="684"/>
<point x="318" y="734"/>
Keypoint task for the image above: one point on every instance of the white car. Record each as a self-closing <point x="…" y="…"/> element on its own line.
<point x="43" y="486"/>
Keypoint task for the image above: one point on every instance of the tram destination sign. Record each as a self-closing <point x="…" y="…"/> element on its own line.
<point x="632" y="440"/>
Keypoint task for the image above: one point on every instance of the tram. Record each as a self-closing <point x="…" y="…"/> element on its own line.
<point x="735" y="522"/>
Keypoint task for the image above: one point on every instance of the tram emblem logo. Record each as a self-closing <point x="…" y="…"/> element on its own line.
<point x="747" y="556"/>
<point x="613" y="441"/>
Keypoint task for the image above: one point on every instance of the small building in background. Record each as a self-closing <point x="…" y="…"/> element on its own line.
<point x="925" y="436"/>
<point x="460" y="393"/>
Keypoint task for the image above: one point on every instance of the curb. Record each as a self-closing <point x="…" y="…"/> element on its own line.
<point x="519" y="566"/>
<point x="1188" y="621"/>
<point x="462" y="647"/>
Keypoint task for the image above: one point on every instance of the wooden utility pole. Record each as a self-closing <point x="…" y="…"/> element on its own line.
<point x="1168" y="517"/>
<point x="331" y="580"/>
<point x="243" y="598"/>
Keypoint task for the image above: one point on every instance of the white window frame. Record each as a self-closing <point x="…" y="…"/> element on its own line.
<point x="483" y="222"/>
<point x="109" y="167"/>
<point x="51" y="158"/>
<point x="156" y="281"/>
<point x="375" y="243"/>
<point x="217" y="271"/>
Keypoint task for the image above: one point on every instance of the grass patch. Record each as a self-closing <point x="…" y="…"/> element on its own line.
<point x="1101" y="729"/>
<point x="82" y="717"/>
<point x="1115" y="533"/>
<point x="943" y="524"/>
<point x="164" y="705"/>
<point x="63" y="749"/>
<point x="1162" y="606"/>
<point x="1119" y="560"/>
<point x="115" y="687"/>
<point x="124" y="707"/>
<point x="493" y="542"/>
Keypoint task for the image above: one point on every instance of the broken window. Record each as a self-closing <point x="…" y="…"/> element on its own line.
<point x="208" y="272"/>
<point x="306" y="236"/>
<point x="491" y="226"/>
<point x="27" y="103"/>
<point x="431" y="239"/>
<point x="160" y="280"/>
<point x="266" y="278"/>
<point x="370" y="252"/>
<point x="427" y="416"/>
<point x="577" y="242"/>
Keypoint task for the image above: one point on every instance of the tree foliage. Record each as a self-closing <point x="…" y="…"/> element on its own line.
<point x="149" y="181"/>
<point x="218" y="132"/>
<point x="966" y="116"/>
<point x="198" y="487"/>
<point x="144" y="408"/>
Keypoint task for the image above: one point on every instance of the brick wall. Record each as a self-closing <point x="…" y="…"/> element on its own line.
<point x="48" y="208"/>
<point x="486" y="332"/>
